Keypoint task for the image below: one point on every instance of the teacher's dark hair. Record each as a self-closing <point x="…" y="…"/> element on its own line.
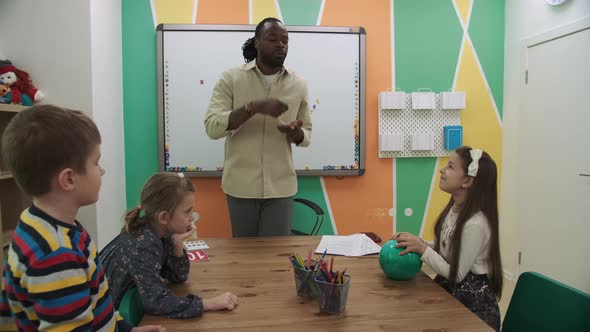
<point x="249" y="49"/>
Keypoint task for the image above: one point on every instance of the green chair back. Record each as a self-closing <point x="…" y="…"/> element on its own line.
<point x="131" y="308"/>
<point x="540" y="303"/>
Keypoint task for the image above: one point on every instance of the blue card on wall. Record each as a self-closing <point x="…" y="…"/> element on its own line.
<point x="453" y="137"/>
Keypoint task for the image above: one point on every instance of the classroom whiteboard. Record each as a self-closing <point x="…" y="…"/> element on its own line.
<point x="191" y="59"/>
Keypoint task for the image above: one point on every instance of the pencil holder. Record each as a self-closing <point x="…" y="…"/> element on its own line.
<point x="305" y="281"/>
<point x="333" y="296"/>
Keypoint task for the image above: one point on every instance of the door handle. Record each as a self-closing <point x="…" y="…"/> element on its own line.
<point x="583" y="174"/>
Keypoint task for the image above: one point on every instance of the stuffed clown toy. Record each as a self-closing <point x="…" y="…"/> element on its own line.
<point x="22" y="89"/>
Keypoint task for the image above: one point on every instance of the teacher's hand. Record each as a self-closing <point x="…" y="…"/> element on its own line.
<point x="293" y="130"/>
<point x="270" y="106"/>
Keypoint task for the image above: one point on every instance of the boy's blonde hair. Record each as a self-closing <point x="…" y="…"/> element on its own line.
<point x="41" y="141"/>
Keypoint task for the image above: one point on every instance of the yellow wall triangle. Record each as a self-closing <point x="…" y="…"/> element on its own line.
<point x="263" y="9"/>
<point x="464" y="6"/>
<point x="481" y="129"/>
<point x="480" y="119"/>
<point x="438" y="200"/>
<point x="177" y="11"/>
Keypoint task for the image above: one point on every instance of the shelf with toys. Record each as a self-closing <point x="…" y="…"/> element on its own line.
<point x="12" y="200"/>
<point x="17" y="93"/>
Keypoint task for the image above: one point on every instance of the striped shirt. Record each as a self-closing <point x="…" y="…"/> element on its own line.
<point x="53" y="279"/>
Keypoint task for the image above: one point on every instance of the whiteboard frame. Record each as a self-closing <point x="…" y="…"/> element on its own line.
<point x="161" y="28"/>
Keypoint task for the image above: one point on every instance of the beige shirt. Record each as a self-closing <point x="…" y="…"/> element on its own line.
<point x="258" y="160"/>
<point x="475" y="247"/>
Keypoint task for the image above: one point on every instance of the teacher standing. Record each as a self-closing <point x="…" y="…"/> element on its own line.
<point x="261" y="109"/>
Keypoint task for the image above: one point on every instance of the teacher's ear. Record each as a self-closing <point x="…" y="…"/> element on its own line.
<point x="256" y="43"/>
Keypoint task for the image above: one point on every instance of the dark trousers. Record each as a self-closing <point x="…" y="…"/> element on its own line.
<point x="260" y="217"/>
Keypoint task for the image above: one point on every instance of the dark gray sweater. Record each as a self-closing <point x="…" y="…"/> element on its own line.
<point x="142" y="261"/>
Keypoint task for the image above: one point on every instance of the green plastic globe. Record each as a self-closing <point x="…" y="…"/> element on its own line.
<point x="398" y="267"/>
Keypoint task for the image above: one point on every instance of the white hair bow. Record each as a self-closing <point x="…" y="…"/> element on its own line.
<point x="181" y="175"/>
<point x="474" y="166"/>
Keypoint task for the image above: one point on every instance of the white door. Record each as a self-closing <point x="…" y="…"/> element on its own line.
<point x="553" y="155"/>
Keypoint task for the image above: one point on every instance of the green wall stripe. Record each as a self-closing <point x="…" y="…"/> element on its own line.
<point x="300" y="12"/>
<point x="428" y="37"/>
<point x="486" y="29"/>
<point x="303" y="217"/>
<point x="413" y="178"/>
<point x="305" y="12"/>
<point x="139" y="96"/>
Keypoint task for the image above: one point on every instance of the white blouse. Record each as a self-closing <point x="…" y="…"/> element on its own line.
<point x="475" y="247"/>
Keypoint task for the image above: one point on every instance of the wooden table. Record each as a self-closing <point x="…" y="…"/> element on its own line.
<point x="258" y="271"/>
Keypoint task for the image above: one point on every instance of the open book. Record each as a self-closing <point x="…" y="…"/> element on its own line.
<point x="348" y="245"/>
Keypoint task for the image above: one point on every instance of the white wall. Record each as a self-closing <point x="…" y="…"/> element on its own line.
<point x="524" y="18"/>
<point x="107" y="109"/>
<point x="51" y="41"/>
<point x="72" y="49"/>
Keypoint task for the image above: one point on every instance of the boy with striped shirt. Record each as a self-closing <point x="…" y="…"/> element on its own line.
<point x="53" y="278"/>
